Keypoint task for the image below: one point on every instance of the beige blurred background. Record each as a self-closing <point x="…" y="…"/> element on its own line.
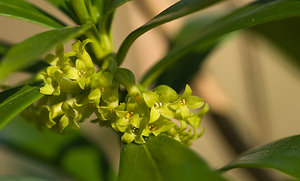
<point x="225" y="81"/>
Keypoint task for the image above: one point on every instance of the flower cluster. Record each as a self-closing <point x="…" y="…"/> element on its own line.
<point x="75" y="90"/>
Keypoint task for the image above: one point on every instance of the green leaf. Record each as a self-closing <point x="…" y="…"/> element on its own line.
<point x="70" y="152"/>
<point x="3" y="48"/>
<point x="111" y="5"/>
<point x="177" y="10"/>
<point x="15" y="100"/>
<point x="65" y="6"/>
<point x="285" y="35"/>
<point x="22" y="10"/>
<point x="283" y="155"/>
<point x="20" y="178"/>
<point x="253" y="14"/>
<point x="183" y="69"/>
<point x="163" y="159"/>
<point x="27" y="52"/>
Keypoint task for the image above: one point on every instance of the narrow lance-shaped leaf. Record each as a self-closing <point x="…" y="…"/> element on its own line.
<point x="179" y="9"/>
<point x="285" y="35"/>
<point x="253" y="14"/>
<point x="113" y="4"/>
<point x="22" y="10"/>
<point x="183" y="69"/>
<point x="15" y="100"/>
<point x="27" y="52"/>
<point x="64" y="6"/>
<point x="163" y="159"/>
<point x="22" y="178"/>
<point x="283" y="155"/>
<point x="3" y="48"/>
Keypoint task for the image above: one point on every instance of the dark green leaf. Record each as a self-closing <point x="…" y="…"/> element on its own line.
<point x="15" y="100"/>
<point x="113" y="4"/>
<point x="70" y="152"/>
<point x="179" y="9"/>
<point x="183" y="69"/>
<point x="165" y="159"/>
<point x="285" y="35"/>
<point x="65" y="6"/>
<point x="20" y="9"/>
<point x="20" y="178"/>
<point x="27" y="52"/>
<point x="283" y="155"/>
<point x="3" y="48"/>
<point x="253" y="14"/>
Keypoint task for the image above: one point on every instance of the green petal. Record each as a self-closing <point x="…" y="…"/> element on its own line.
<point x="162" y="125"/>
<point x="150" y="98"/>
<point x="47" y="89"/>
<point x="121" y="114"/>
<point x="51" y="59"/>
<point x="128" y="137"/>
<point x="166" y="112"/>
<point x="105" y="113"/>
<point x="76" y="46"/>
<point x="102" y="79"/>
<point x="110" y="95"/>
<point x="94" y="96"/>
<point x="84" y="43"/>
<point x="135" y="120"/>
<point x="154" y="114"/>
<point x="71" y="72"/>
<point x="184" y="111"/>
<point x="81" y="82"/>
<point x="187" y="92"/>
<point x="166" y="94"/>
<point x="80" y="65"/>
<point x="63" y="123"/>
<point x="183" y="125"/>
<point x="194" y="102"/>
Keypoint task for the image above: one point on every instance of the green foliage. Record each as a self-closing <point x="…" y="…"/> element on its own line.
<point x="282" y="155"/>
<point x="179" y="9"/>
<point x="253" y="14"/>
<point x="25" y="53"/>
<point x="89" y="80"/>
<point x="20" y="9"/>
<point x="163" y="158"/>
<point x="15" y="100"/>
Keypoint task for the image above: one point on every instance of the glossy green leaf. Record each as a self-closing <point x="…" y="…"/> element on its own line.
<point x="21" y="178"/>
<point x="179" y="9"/>
<point x="70" y="152"/>
<point x="253" y="14"/>
<point x="3" y="48"/>
<point x="22" y="10"/>
<point x="113" y="4"/>
<point x="285" y="35"/>
<point x="283" y="155"/>
<point x="27" y="52"/>
<point x="163" y="159"/>
<point x="15" y="100"/>
<point x="182" y="71"/>
<point x="65" y="6"/>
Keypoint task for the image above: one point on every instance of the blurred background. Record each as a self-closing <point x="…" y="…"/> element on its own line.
<point x="250" y="84"/>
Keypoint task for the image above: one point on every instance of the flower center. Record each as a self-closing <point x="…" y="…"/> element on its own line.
<point x="128" y="115"/>
<point x="158" y="104"/>
<point x="182" y="102"/>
